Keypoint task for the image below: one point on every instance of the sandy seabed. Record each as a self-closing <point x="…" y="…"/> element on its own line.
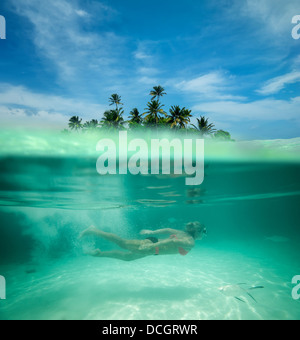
<point x="153" y="288"/>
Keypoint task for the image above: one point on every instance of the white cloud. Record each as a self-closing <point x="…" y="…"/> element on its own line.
<point x="21" y="96"/>
<point x="148" y="75"/>
<point x="203" y="84"/>
<point x="276" y="84"/>
<point x="148" y="81"/>
<point x="148" y="71"/>
<point x="19" y="118"/>
<point x="274" y="15"/>
<point x="267" y="110"/>
<point x="142" y="55"/>
<point x="81" y="13"/>
<point x="268" y="118"/>
<point x="61" y="36"/>
<point x="146" y="63"/>
<point x="22" y="107"/>
<point x="212" y="85"/>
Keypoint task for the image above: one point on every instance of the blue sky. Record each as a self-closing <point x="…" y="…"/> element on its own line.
<point x="234" y="61"/>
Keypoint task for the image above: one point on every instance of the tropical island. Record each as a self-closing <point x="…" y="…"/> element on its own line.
<point x="154" y="118"/>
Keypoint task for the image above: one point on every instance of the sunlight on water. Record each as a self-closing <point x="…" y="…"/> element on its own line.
<point x="50" y="191"/>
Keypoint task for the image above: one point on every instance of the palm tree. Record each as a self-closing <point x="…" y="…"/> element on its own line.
<point x="113" y="118"/>
<point x="154" y="110"/>
<point x="179" y="117"/>
<point x="91" y="124"/>
<point x="186" y="115"/>
<point x="75" y="123"/>
<point x="136" y="119"/>
<point x="135" y="116"/>
<point x="115" y="99"/>
<point x="158" y="91"/>
<point x="204" y="127"/>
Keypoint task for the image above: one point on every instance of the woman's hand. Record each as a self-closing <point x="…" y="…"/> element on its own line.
<point x="146" y="232"/>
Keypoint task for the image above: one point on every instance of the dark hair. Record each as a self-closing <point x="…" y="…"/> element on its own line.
<point x="193" y="227"/>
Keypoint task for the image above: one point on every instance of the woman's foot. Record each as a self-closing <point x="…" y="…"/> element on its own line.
<point x="89" y="231"/>
<point x="95" y="252"/>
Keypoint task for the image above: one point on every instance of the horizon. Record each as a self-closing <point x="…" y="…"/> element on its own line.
<point x="236" y="63"/>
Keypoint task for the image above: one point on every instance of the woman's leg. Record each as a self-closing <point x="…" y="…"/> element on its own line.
<point x="119" y="255"/>
<point x="132" y="245"/>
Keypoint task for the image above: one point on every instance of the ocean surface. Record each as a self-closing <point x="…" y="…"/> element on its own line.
<point x="50" y="191"/>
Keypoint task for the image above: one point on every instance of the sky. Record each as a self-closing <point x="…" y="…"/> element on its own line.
<point x="233" y="61"/>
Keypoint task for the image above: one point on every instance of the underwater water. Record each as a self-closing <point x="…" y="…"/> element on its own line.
<point x="50" y="191"/>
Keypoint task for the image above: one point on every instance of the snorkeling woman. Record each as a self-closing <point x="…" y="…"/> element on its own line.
<point x="178" y="242"/>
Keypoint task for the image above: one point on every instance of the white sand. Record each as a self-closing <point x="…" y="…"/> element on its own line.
<point x="154" y="288"/>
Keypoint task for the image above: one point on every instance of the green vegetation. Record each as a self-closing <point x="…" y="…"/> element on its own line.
<point x="75" y="123"/>
<point x="154" y="117"/>
<point x="204" y="127"/>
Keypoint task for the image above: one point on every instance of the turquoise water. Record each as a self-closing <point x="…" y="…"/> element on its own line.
<point x="51" y="191"/>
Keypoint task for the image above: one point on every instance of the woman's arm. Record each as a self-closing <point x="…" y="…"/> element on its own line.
<point x="167" y="231"/>
<point x="167" y="243"/>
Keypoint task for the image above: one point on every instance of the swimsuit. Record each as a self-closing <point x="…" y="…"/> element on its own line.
<point x="181" y="251"/>
<point x="154" y="240"/>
